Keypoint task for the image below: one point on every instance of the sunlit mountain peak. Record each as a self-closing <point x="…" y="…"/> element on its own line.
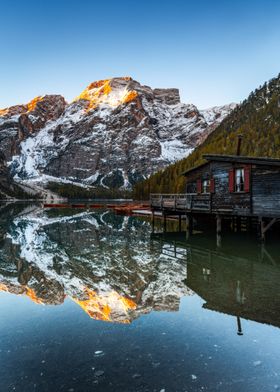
<point x="22" y="109"/>
<point x="112" y="92"/>
<point x="33" y="103"/>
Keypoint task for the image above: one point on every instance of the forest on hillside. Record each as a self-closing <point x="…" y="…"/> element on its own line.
<point x="257" y="119"/>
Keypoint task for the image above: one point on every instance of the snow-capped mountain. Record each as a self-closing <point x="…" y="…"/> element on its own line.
<point x="115" y="133"/>
<point x="215" y="115"/>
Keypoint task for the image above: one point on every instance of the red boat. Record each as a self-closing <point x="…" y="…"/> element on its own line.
<point x="46" y="205"/>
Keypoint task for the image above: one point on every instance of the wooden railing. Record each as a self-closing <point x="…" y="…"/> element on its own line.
<point x="181" y="201"/>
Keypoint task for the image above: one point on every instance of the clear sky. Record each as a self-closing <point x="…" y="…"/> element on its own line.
<point x="214" y="51"/>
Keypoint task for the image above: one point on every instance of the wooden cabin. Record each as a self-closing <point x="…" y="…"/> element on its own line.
<point x="228" y="185"/>
<point x="236" y="185"/>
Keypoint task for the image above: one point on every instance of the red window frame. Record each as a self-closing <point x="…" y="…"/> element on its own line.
<point x="198" y="186"/>
<point x="247" y="179"/>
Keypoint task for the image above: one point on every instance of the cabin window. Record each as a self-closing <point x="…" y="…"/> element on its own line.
<point x="239" y="180"/>
<point x="206" y="186"/>
<point x="191" y="187"/>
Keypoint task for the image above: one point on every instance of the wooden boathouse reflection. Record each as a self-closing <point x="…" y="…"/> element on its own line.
<point x="237" y="280"/>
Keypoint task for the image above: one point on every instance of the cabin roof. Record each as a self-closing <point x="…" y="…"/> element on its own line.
<point x="235" y="159"/>
<point x="195" y="168"/>
<point x="242" y="159"/>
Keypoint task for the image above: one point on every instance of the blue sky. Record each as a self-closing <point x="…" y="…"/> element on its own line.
<point x="215" y="52"/>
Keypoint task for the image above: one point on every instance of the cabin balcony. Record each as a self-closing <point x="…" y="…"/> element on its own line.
<point x="181" y="202"/>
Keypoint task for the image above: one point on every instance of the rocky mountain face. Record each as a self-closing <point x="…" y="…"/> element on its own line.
<point x="215" y="115"/>
<point x="7" y="186"/>
<point x="93" y="258"/>
<point x="257" y="118"/>
<point x="115" y="133"/>
<point x="17" y="123"/>
<point x="4" y="176"/>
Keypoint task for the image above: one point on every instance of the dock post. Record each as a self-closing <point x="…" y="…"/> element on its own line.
<point x="239" y="328"/>
<point x="232" y="225"/>
<point x="180" y="223"/>
<point x="164" y="222"/>
<point x="262" y="229"/>
<point x="238" y="224"/>
<point x="219" y="230"/>
<point x="189" y="226"/>
<point x="235" y="224"/>
<point x="153" y="221"/>
<point x="248" y="224"/>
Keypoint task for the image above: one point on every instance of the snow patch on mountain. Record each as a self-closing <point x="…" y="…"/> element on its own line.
<point x="216" y="114"/>
<point x="174" y="150"/>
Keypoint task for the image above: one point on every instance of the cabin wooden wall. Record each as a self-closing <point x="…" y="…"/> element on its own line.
<point x="222" y="198"/>
<point x="266" y="191"/>
<point x="200" y="173"/>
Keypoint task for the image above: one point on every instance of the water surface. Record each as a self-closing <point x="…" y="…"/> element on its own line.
<point x="91" y="301"/>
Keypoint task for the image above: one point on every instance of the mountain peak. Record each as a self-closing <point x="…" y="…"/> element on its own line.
<point x="21" y="109"/>
<point x="33" y="103"/>
<point x="112" y="92"/>
<point x="40" y="104"/>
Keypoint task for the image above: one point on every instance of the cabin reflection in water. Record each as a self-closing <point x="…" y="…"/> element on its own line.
<point x="237" y="279"/>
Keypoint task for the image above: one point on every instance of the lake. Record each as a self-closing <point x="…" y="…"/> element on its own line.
<point x="92" y="301"/>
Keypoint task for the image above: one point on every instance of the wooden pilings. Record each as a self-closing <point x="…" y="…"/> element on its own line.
<point x="239" y="328"/>
<point x="219" y="230"/>
<point x="189" y="226"/>
<point x="153" y="221"/>
<point x="164" y="218"/>
<point x="164" y="222"/>
<point x="235" y="223"/>
<point x="180" y="223"/>
<point x="238" y="223"/>
<point x="264" y="226"/>
<point x="262" y="229"/>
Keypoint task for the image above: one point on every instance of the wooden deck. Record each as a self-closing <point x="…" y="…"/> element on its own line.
<point x="187" y="203"/>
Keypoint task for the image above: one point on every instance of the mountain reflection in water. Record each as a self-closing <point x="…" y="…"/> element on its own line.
<point x="104" y="263"/>
<point x="116" y="271"/>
